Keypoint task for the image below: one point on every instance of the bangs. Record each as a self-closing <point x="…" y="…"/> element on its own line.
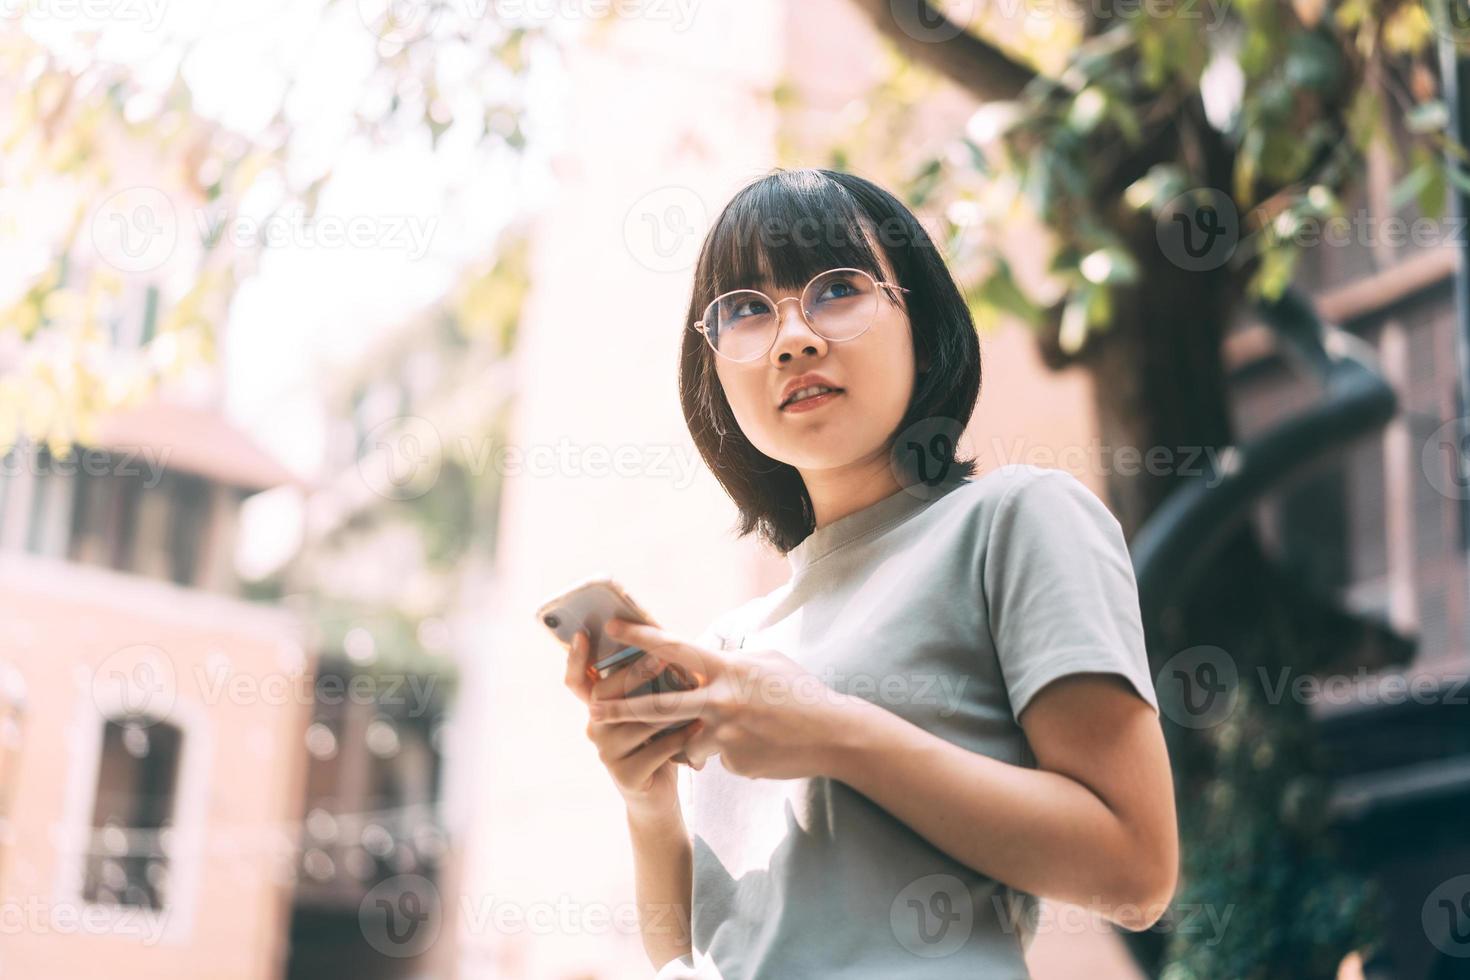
<point x="779" y="233"/>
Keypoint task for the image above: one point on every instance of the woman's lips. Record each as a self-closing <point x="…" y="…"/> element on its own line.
<point x="808" y="404"/>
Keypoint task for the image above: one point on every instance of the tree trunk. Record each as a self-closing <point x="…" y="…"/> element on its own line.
<point x="1251" y="789"/>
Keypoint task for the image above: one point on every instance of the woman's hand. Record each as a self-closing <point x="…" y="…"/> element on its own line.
<point x="642" y="770"/>
<point x="764" y="714"/>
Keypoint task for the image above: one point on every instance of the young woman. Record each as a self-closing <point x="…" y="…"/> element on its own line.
<point x="947" y="711"/>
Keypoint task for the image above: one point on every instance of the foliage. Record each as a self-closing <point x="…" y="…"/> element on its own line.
<point x="1271" y="104"/>
<point x="81" y="125"/>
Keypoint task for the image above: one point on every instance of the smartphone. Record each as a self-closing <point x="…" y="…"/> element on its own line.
<point x="589" y="605"/>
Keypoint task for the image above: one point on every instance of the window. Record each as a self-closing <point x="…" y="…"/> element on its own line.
<point x="160" y="531"/>
<point x="186" y="531"/>
<point x="137" y="778"/>
<point x="50" y="507"/>
<point x="372" y="784"/>
<point x="103" y="518"/>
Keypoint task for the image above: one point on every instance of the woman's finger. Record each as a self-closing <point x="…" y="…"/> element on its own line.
<point x="579" y="677"/>
<point x="700" y="663"/>
<point x="700" y="747"/>
<point x="620" y="682"/>
<point x="667" y="707"/>
<point x="636" y="769"/>
<point x="616" y="741"/>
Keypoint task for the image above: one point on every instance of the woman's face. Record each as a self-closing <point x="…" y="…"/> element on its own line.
<point x="874" y="370"/>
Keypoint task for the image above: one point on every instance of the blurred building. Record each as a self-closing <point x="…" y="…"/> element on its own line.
<point x="154" y="708"/>
<point x="142" y="687"/>
<point x="1382" y="529"/>
<point x="397" y="536"/>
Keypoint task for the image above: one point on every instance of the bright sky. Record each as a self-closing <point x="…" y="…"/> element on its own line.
<point x="424" y="212"/>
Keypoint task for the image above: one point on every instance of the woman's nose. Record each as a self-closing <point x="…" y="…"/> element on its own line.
<point x="798" y="316"/>
<point x="792" y="327"/>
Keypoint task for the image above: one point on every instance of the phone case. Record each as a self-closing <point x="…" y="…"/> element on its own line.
<point x="590" y="604"/>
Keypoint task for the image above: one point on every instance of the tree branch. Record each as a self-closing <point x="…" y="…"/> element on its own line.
<point x="926" y="36"/>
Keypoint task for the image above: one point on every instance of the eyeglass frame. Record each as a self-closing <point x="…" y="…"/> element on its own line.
<point x="775" y="305"/>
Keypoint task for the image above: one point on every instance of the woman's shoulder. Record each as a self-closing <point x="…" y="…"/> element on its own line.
<point x="991" y="487"/>
<point x="1029" y="494"/>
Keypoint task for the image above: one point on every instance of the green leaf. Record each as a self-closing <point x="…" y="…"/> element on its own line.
<point x="1037" y="183"/>
<point x="1074" y="321"/>
<point x="1412" y="184"/>
<point x="1278" y="265"/>
<point x="1427" y="117"/>
<point x="1312" y="61"/>
<point x="1000" y="291"/>
<point x="1162" y="183"/>
<point x="1459" y="178"/>
<point x="1109" y="266"/>
<point x="924" y="183"/>
<point x="1363" y="115"/>
<point x="1100" y="307"/>
<point x="1087" y="110"/>
<point x="1126" y="119"/>
<point x="1245" y="166"/>
<point x="1432" y="198"/>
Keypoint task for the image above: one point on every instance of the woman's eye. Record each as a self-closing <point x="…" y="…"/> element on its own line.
<point x="753" y="307"/>
<point x="837" y="289"/>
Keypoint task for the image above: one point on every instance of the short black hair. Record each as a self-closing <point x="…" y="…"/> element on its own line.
<point x="779" y="231"/>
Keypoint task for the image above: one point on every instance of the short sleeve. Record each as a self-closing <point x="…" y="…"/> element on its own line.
<point x="1060" y="590"/>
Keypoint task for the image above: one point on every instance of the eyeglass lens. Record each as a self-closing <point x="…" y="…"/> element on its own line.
<point x="838" y="305"/>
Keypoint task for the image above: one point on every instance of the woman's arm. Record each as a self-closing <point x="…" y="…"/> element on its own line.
<point x="1093" y="825"/>
<point x="663" y="865"/>
<point x="646" y="777"/>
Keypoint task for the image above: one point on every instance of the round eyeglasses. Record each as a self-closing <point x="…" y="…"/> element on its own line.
<point x="839" y="304"/>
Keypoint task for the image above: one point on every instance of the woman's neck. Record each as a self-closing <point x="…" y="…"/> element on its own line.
<point x="845" y="490"/>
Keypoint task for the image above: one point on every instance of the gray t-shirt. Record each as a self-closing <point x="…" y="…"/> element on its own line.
<point x="951" y="612"/>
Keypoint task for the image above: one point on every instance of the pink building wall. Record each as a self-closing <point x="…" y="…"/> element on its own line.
<point x="234" y="679"/>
